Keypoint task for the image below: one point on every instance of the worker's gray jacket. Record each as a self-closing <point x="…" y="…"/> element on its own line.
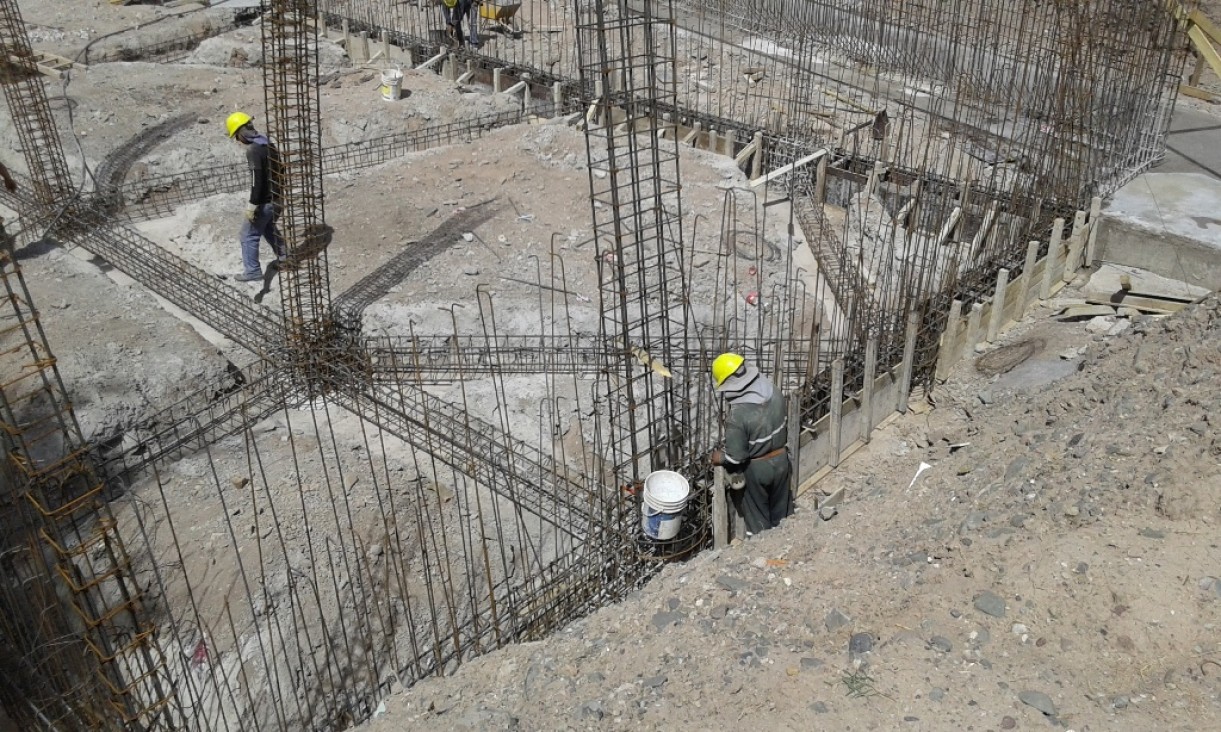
<point x="757" y="424"/>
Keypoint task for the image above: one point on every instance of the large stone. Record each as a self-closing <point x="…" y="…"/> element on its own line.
<point x="1038" y="700"/>
<point x="989" y="603"/>
<point x="836" y="619"/>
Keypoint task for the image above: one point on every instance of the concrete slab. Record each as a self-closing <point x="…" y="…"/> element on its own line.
<point x="1168" y="224"/>
<point x="1192" y="145"/>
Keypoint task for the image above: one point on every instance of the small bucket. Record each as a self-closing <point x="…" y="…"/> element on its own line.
<point x="663" y="501"/>
<point x="392" y="84"/>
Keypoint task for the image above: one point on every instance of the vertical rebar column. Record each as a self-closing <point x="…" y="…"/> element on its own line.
<point x="27" y="103"/>
<point x="70" y="608"/>
<point x="290" y="83"/>
<point x="627" y="65"/>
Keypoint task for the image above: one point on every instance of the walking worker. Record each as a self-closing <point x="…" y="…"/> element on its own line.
<point x="264" y="205"/>
<point x="756" y="442"/>
<point x="454" y="12"/>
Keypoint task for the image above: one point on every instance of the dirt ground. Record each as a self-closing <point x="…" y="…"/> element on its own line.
<point x="1057" y="567"/>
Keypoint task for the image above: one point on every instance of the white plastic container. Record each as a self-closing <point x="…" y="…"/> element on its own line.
<point x="392" y="84"/>
<point x="662" y="504"/>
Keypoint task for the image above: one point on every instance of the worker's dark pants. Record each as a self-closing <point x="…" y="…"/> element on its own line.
<point x="766" y="499"/>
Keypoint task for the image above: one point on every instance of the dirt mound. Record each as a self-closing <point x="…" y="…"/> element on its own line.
<point x="1057" y="564"/>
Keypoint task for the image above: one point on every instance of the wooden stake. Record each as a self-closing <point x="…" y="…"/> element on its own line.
<point x="386" y="45"/>
<point x="1053" y="251"/>
<point x="756" y="164"/>
<point x="1027" y="291"/>
<point x="871" y="368"/>
<point x="837" y="406"/>
<point x="820" y="185"/>
<point x="948" y="354"/>
<point x="720" y="510"/>
<point x="909" y="359"/>
<point x="972" y="337"/>
<point x="1074" y="247"/>
<point x="1092" y="245"/>
<point x="998" y="304"/>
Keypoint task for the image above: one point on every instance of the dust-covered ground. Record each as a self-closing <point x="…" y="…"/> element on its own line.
<point x="1057" y="567"/>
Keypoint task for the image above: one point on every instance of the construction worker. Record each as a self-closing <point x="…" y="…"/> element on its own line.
<point x="454" y="11"/>
<point x="264" y="204"/>
<point x="756" y="442"/>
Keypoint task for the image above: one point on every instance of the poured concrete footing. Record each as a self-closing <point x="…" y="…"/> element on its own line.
<point x="1168" y="224"/>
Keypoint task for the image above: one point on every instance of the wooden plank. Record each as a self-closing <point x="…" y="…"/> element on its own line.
<point x="871" y="368"/>
<point x="972" y="337"/>
<point x="1204" y="47"/>
<point x="1028" y="280"/>
<point x="720" y="510"/>
<point x="820" y="185"/>
<point x="1210" y="28"/>
<point x="837" y="406"/>
<point x="785" y="169"/>
<point x="1144" y="303"/>
<point x="756" y="163"/>
<point x="1197" y="93"/>
<point x="998" y="304"/>
<point x="909" y="358"/>
<point x="947" y="356"/>
<point x="1075" y="243"/>
<point x="1091" y="245"/>
<point x="1053" y="252"/>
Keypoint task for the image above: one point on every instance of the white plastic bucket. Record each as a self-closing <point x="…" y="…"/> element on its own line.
<point x="392" y="84"/>
<point x="663" y="501"/>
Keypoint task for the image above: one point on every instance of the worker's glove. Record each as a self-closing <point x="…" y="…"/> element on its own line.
<point x="736" y="482"/>
<point x="251" y="211"/>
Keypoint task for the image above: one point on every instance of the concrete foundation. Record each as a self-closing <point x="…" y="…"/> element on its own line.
<point x="1168" y="224"/>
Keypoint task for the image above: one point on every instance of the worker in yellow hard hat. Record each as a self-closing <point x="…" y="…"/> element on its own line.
<point x="756" y="442"/>
<point x="264" y="204"/>
<point x="454" y="12"/>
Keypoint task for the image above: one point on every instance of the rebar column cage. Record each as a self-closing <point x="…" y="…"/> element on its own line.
<point x="27" y="100"/>
<point x="290" y="83"/>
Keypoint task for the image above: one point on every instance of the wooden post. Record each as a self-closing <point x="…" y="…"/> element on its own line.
<point x="875" y="178"/>
<point x="998" y="304"/>
<point x="871" y="369"/>
<point x="1027" y="291"/>
<point x="909" y="360"/>
<point x="1091" y="247"/>
<point x="1074" y="247"/>
<point x="756" y="164"/>
<point x="820" y="185"/>
<point x="1053" y="251"/>
<point x="730" y="142"/>
<point x="386" y="45"/>
<point x="794" y="442"/>
<point x="363" y="45"/>
<point x="347" y="37"/>
<point x="1194" y="79"/>
<point x="837" y="408"/>
<point x="948" y="355"/>
<point x="497" y="84"/>
<point x="720" y="510"/>
<point x="972" y="336"/>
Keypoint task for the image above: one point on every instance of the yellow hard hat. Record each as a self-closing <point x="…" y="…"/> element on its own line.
<point x="450" y="3"/>
<point x="724" y="366"/>
<point x="235" y="121"/>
